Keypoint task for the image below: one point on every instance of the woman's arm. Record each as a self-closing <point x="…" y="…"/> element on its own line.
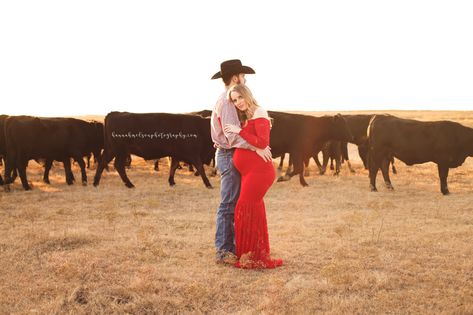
<point x="261" y="139"/>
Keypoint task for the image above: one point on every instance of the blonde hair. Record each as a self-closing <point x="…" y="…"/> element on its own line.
<point x="245" y="92"/>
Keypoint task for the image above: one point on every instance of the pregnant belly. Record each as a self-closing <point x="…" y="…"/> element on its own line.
<point x="247" y="160"/>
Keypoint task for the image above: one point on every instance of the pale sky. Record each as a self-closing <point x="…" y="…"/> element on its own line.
<point x="61" y="58"/>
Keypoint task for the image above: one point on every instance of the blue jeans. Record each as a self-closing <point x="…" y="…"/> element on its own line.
<point x="229" y="192"/>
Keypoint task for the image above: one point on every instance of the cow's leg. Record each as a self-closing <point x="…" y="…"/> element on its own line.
<point x="289" y="170"/>
<point x="96" y="154"/>
<point x="299" y="169"/>
<point x="104" y="160"/>
<point x="10" y="179"/>
<point x="7" y="181"/>
<point x="127" y="161"/>
<point x="1" y="164"/>
<point x="191" y="169"/>
<point x="385" y="172"/>
<point x="172" y="171"/>
<point x="287" y="176"/>
<point x="337" y="166"/>
<point x="373" y="166"/>
<point x="337" y="156"/>
<point x="325" y="158"/>
<point x="88" y="156"/>
<point x="393" y="167"/>
<point x="302" y="180"/>
<point x="281" y="162"/>
<point x="317" y="162"/>
<point x="10" y="164"/>
<point x="120" y="161"/>
<point x="363" y="153"/>
<point x="68" y="171"/>
<point x="22" y="164"/>
<point x="47" y="168"/>
<point x="344" y="148"/>
<point x="214" y="168"/>
<point x="200" y="168"/>
<point x="345" y="157"/>
<point x="306" y="167"/>
<point x="14" y="175"/>
<point x="290" y="166"/>
<point x="82" y="170"/>
<point x="443" y="174"/>
<point x="156" y="165"/>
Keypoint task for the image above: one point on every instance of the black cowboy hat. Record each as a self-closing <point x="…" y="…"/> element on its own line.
<point x="231" y="67"/>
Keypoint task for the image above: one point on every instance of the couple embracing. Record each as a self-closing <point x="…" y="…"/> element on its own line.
<point x="240" y="131"/>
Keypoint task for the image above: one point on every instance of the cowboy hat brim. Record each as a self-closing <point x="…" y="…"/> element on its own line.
<point x="243" y="69"/>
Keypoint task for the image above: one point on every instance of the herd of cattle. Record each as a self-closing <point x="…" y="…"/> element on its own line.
<point x="186" y="138"/>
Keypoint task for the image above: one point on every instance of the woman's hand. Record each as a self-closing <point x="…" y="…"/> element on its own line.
<point x="231" y="129"/>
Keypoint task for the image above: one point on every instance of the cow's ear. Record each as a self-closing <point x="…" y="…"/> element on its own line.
<point x="337" y="117"/>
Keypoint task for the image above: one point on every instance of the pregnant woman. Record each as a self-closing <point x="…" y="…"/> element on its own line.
<point x="251" y="229"/>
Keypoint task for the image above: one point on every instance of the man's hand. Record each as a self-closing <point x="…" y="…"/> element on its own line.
<point x="265" y="154"/>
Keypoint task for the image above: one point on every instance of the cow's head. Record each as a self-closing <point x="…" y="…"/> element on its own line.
<point x="341" y="129"/>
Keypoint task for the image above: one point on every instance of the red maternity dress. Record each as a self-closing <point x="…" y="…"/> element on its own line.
<point x="251" y="229"/>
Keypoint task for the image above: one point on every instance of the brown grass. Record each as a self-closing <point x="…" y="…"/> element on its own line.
<point x="81" y="250"/>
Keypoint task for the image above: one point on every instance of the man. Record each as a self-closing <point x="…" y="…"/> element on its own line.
<point x="232" y="72"/>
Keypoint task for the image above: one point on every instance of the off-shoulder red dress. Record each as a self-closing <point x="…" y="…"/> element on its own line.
<point x="251" y="229"/>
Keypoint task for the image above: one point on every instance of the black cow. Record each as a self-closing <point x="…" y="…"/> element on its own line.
<point x="445" y="143"/>
<point x="363" y="151"/>
<point x="205" y="114"/>
<point x="303" y="136"/>
<point x="92" y="133"/>
<point x="358" y="125"/>
<point x="155" y="135"/>
<point x="338" y="150"/>
<point x="95" y="136"/>
<point x="334" y="150"/>
<point x="43" y="138"/>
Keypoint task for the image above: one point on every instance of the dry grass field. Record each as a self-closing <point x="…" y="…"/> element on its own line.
<point x="86" y="250"/>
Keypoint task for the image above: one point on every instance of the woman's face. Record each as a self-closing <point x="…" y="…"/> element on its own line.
<point x="238" y="101"/>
